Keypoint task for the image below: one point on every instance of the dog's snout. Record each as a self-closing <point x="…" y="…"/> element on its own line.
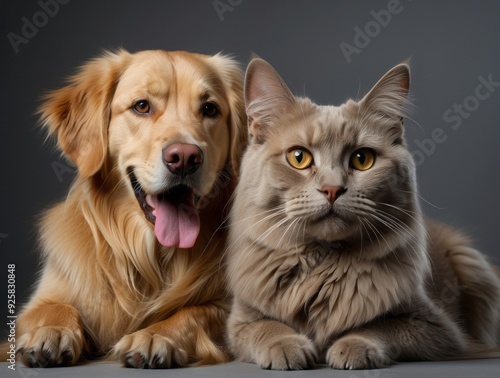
<point x="183" y="159"/>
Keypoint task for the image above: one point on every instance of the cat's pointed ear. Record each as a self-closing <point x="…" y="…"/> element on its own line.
<point x="267" y="97"/>
<point x="388" y="97"/>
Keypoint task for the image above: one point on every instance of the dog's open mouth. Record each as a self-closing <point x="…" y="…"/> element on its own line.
<point x="173" y="213"/>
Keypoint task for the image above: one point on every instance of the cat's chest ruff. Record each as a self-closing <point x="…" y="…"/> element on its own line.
<point x="314" y="272"/>
<point x="319" y="255"/>
<point x="332" y="291"/>
<point x="301" y="268"/>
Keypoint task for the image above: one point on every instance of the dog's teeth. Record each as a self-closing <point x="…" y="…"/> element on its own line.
<point x="151" y="201"/>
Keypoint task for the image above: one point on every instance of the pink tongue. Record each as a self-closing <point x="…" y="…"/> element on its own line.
<point x="177" y="222"/>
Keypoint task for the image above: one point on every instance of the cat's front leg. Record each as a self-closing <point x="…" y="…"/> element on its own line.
<point x="425" y="333"/>
<point x="268" y="343"/>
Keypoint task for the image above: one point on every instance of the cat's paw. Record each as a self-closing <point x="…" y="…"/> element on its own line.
<point x="144" y="350"/>
<point x="50" y="347"/>
<point x="292" y="352"/>
<point x="357" y="352"/>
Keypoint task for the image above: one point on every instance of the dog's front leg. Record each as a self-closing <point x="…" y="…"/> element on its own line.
<point x="193" y="335"/>
<point x="52" y="334"/>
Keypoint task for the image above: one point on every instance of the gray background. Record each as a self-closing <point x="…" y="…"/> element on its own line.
<point x="451" y="44"/>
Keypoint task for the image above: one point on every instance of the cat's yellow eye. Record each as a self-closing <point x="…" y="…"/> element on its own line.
<point x="362" y="159"/>
<point x="299" y="158"/>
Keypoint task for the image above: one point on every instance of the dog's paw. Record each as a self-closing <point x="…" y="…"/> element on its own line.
<point x="50" y="347"/>
<point x="293" y="352"/>
<point x="357" y="352"/>
<point x="143" y="350"/>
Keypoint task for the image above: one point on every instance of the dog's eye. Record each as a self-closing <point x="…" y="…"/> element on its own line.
<point x="142" y="107"/>
<point x="209" y="109"/>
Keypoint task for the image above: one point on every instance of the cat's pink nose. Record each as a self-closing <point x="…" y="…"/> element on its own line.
<point x="332" y="192"/>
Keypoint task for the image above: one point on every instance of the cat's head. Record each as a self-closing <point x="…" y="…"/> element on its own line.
<point x="332" y="174"/>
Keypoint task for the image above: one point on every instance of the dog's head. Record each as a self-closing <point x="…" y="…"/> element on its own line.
<point x="169" y="123"/>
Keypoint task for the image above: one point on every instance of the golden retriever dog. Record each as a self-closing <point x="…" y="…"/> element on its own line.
<point x="132" y="256"/>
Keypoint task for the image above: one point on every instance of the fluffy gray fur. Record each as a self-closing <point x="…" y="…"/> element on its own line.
<point x="360" y="281"/>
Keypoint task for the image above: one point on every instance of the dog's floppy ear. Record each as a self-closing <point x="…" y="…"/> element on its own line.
<point x="232" y="76"/>
<point x="78" y="114"/>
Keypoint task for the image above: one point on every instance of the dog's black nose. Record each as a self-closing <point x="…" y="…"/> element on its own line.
<point x="183" y="159"/>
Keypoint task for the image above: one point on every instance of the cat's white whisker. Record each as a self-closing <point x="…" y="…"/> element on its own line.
<point x="415" y="215"/>
<point x="414" y="240"/>
<point x="274" y="212"/>
<point x="290" y="226"/>
<point x="262" y="238"/>
<point x="345" y="248"/>
<point x="392" y="223"/>
<point x="279" y="210"/>
<point x="430" y="203"/>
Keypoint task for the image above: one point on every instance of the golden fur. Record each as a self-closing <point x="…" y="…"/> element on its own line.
<point x="107" y="284"/>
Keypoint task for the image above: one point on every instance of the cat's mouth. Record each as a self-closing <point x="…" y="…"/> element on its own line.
<point x="334" y="245"/>
<point x="328" y="214"/>
<point x="333" y="227"/>
<point x="173" y="213"/>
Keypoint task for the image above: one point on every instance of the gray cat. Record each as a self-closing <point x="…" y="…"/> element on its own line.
<point x="330" y="259"/>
